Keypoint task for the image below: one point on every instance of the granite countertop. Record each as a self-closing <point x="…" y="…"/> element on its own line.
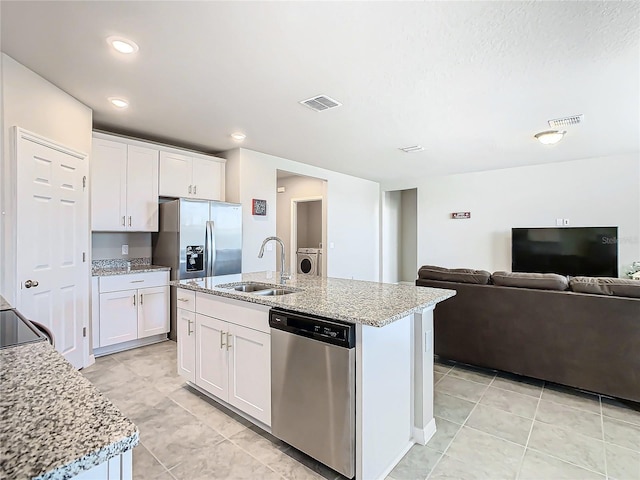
<point x="106" y="271"/>
<point x="353" y="301"/>
<point x="53" y="422"/>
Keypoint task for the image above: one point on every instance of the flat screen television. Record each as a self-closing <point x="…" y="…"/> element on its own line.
<point x="572" y="251"/>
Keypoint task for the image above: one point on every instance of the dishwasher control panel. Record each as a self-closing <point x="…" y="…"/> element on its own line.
<point x="321" y="329"/>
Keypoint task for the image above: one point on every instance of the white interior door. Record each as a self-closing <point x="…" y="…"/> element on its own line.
<point x="52" y="231"/>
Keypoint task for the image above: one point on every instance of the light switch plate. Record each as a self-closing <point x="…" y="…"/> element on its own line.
<point x="125" y="249"/>
<point x="559" y="222"/>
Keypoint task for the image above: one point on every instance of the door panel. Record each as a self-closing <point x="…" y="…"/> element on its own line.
<point x="118" y="317"/>
<point x="212" y="368"/>
<point x="153" y="311"/>
<point x="193" y="217"/>
<point x="52" y="228"/>
<point x="142" y="189"/>
<point x="108" y="185"/>
<point x="186" y="344"/>
<point x="250" y="372"/>
<point x="175" y="175"/>
<point x="207" y="179"/>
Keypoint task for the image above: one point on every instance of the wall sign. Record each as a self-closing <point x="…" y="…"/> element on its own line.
<point x="460" y="215"/>
<point x="258" y="207"/>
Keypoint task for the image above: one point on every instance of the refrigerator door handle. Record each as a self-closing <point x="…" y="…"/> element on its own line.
<point x="207" y="248"/>
<point x="212" y="242"/>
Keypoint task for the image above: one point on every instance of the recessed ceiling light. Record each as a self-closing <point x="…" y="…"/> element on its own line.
<point x="550" y="137"/>
<point x="238" y="136"/>
<point x="123" y="45"/>
<point x="119" y="102"/>
<point x="412" y="149"/>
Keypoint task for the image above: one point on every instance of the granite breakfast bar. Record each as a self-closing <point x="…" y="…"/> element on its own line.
<point x="393" y="352"/>
<point x="54" y="424"/>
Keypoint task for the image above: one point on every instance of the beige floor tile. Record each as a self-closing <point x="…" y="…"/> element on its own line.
<point x="451" y="408"/>
<point x="449" y="468"/>
<point x="518" y="384"/>
<point x="445" y="431"/>
<point x="569" y="446"/>
<point x="623" y="434"/>
<point x="538" y="466"/>
<point x="416" y="464"/>
<point x="512" y="402"/>
<point x="486" y="452"/>
<point x="146" y="467"/>
<point x="620" y="411"/>
<point x="226" y="461"/>
<point x="572" y="398"/>
<point x="437" y="367"/>
<point x="474" y="374"/>
<point x="265" y="447"/>
<point x="580" y="421"/>
<point x="622" y="463"/>
<point x="501" y="424"/>
<point x="461" y="388"/>
<point x="437" y="377"/>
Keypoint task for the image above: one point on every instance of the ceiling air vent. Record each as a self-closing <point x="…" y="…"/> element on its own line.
<point x="412" y="149"/>
<point x="320" y="103"/>
<point x="566" y="121"/>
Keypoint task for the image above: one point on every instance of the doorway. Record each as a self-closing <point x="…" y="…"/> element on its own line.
<point x="301" y="221"/>
<point x="400" y="236"/>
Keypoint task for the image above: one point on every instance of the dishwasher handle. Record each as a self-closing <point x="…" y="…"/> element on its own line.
<point x="321" y="329"/>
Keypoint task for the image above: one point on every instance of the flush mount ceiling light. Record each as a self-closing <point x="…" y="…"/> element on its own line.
<point x="122" y="45"/>
<point x="412" y="149"/>
<point x="119" y="102"/>
<point x="238" y="136"/>
<point x="550" y="137"/>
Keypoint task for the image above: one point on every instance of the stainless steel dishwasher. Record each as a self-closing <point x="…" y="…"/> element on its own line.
<point x="313" y="387"/>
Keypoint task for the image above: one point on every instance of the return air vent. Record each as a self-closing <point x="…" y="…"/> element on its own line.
<point x="563" y="122"/>
<point x="320" y="103"/>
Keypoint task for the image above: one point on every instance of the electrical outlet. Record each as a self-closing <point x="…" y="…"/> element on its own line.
<point x="566" y="222"/>
<point x="125" y="249"/>
<point x="559" y="222"/>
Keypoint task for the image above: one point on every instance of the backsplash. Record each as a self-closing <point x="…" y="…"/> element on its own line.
<point x="120" y="262"/>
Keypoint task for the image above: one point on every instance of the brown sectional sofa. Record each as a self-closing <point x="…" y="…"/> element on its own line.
<point x="540" y="329"/>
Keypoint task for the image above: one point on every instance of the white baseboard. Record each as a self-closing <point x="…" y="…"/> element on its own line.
<point x="423" y="435"/>
<point x="121" y="347"/>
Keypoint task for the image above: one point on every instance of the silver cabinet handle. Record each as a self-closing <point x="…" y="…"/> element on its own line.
<point x="129" y="220"/>
<point x="123" y="221"/>
<point x="141" y="297"/>
<point x="228" y="342"/>
<point x="31" y="283"/>
<point x="222" y="344"/>
<point x="189" y="331"/>
<point x="195" y="187"/>
<point x="134" y="299"/>
<point x="183" y="299"/>
<point x="136" y="281"/>
<point x="189" y="189"/>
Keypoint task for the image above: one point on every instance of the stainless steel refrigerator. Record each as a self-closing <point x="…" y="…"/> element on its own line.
<point x="198" y="238"/>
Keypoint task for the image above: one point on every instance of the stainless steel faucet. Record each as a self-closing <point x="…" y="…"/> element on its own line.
<point x="283" y="275"/>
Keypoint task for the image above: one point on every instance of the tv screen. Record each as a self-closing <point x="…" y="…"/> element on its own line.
<point x="572" y="251"/>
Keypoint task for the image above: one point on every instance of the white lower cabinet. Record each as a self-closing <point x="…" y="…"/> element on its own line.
<point x="132" y="307"/>
<point x="231" y="352"/>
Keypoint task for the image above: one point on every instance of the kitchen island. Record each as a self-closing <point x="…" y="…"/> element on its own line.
<point x="393" y="352"/>
<point x="54" y="424"/>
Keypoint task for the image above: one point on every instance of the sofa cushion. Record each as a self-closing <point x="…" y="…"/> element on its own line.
<point x="542" y="281"/>
<point x="621" y="287"/>
<point x="462" y="275"/>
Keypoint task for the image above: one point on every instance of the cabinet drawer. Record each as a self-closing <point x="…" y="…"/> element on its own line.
<point x="186" y="299"/>
<point x="250" y="315"/>
<point x="114" y="283"/>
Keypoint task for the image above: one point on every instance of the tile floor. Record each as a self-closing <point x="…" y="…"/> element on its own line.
<point x="490" y="426"/>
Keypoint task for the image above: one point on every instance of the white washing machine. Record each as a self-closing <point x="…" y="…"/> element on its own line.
<point x="308" y="260"/>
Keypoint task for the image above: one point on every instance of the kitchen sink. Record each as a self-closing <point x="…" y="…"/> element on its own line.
<point x="259" y="288"/>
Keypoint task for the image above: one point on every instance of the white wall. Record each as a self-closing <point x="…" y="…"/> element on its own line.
<point x="591" y="192"/>
<point x="31" y="102"/>
<point x="107" y="246"/>
<point x="409" y="235"/>
<point x="391" y="236"/>
<point x="352" y="214"/>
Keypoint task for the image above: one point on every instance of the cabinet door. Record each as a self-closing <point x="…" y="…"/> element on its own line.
<point x="250" y="372"/>
<point x="175" y="175"/>
<point x="186" y="326"/>
<point x="108" y="167"/>
<point x="153" y="311"/>
<point x="212" y="368"/>
<point x="118" y="317"/>
<point x="142" y="189"/>
<point x="208" y="178"/>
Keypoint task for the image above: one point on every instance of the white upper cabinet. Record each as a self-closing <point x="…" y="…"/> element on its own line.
<point x="124" y="186"/>
<point x="187" y="175"/>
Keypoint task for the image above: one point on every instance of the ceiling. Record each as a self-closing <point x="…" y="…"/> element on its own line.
<point x="471" y="82"/>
